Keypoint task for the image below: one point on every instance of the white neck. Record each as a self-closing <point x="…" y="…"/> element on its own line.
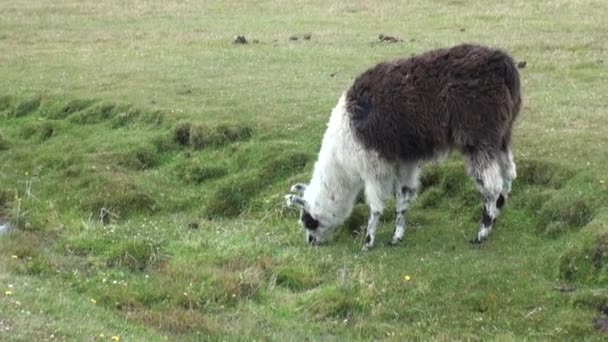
<point x="334" y="186"/>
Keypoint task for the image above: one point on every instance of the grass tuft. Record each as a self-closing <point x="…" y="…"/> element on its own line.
<point x="199" y="136"/>
<point x="6" y="105"/>
<point x="336" y="302"/>
<point x="27" y="106"/>
<point x="96" y="114"/>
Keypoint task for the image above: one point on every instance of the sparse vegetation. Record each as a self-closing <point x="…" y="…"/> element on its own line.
<point x="143" y="169"/>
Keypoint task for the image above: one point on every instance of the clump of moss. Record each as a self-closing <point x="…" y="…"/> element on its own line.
<point x="141" y="158"/>
<point x="134" y="255"/>
<point x="181" y="133"/>
<point x="27" y="106"/>
<point x="543" y="173"/>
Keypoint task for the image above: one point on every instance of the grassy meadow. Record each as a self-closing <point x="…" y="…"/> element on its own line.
<point x="144" y="158"/>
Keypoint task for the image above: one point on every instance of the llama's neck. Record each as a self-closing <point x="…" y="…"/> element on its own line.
<point x="334" y="186"/>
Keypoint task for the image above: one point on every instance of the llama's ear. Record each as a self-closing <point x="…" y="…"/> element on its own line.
<point x="299" y="188"/>
<point x="295" y="200"/>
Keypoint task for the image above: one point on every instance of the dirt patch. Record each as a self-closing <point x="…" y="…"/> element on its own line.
<point x="389" y="39"/>
<point x="601" y="323"/>
<point x="240" y="40"/>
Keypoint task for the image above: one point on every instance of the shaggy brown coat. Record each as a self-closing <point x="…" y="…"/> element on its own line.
<point x="467" y="97"/>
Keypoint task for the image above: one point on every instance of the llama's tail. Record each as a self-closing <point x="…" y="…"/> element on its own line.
<point x="513" y="83"/>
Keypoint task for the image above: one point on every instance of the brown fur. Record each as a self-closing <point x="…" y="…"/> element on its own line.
<point x="467" y="97"/>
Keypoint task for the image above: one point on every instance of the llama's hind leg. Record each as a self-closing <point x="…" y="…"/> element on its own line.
<point x="406" y="188"/>
<point x="486" y="171"/>
<point x="509" y="171"/>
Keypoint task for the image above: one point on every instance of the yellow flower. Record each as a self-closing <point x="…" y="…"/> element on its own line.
<point x="407" y="278"/>
<point x="115" y="338"/>
<point x="93" y="301"/>
<point x="14" y="257"/>
<point x="8" y="293"/>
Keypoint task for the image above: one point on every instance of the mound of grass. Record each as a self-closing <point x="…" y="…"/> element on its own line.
<point x="193" y="172"/>
<point x="230" y="200"/>
<point x="63" y="110"/>
<point x="97" y="113"/>
<point x="27" y="106"/>
<point x="137" y="256"/>
<point x="586" y="261"/>
<point x="114" y="195"/>
<point x="565" y="211"/>
<point x="181" y="133"/>
<point x="202" y="135"/>
<point x="128" y="116"/>
<point x="543" y="173"/>
<point x="163" y="144"/>
<point x="41" y="130"/>
<point x="141" y="158"/>
<point x="29" y="253"/>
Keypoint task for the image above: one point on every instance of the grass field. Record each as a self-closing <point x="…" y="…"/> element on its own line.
<point x="144" y="159"/>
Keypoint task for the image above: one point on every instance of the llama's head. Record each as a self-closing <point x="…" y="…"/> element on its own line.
<point x="318" y="225"/>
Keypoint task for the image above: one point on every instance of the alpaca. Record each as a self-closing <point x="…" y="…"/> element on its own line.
<point x="399" y="114"/>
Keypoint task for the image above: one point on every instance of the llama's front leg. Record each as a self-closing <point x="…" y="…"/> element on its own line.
<point x="404" y="196"/>
<point x="372" y="224"/>
<point x="489" y="180"/>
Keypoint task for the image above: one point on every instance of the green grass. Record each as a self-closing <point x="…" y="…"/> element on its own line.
<point x="144" y="158"/>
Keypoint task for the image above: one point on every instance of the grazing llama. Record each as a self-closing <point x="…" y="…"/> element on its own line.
<point x="399" y="114"/>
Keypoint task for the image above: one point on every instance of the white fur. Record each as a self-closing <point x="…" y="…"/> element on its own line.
<point x="343" y="169"/>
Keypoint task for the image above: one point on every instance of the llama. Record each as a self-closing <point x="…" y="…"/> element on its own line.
<point x="399" y="114"/>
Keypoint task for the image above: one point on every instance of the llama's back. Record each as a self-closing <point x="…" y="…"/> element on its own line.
<point x="411" y="108"/>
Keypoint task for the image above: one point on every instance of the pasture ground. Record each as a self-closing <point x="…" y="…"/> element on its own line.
<point x="144" y="159"/>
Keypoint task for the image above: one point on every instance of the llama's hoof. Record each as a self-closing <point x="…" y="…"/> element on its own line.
<point x="394" y="242"/>
<point x="476" y="241"/>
